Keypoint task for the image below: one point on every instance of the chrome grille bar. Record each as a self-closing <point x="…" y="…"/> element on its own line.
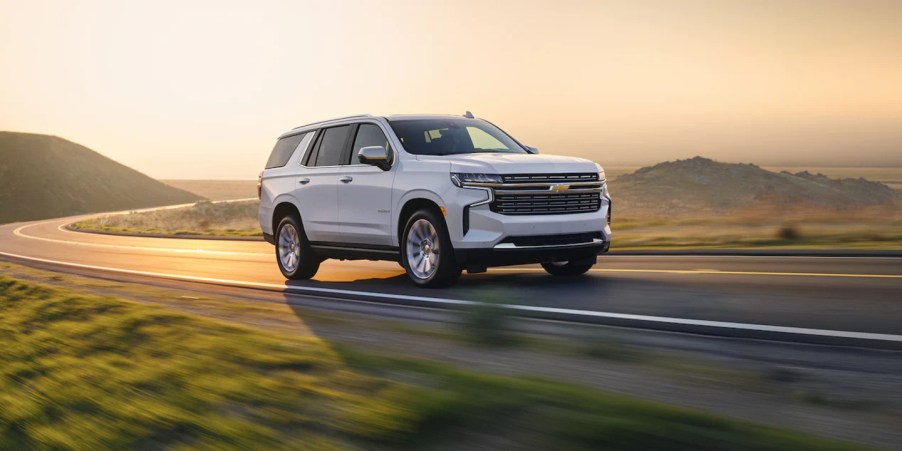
<point x="544" y="194"/>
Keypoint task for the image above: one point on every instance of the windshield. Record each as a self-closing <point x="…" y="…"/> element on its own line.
<point x="448" y="136"/>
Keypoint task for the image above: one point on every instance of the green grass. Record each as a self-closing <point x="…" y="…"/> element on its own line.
<point x="203" y="218"/>
<point x="88" y="372"/>
<point x="826" y="231"/>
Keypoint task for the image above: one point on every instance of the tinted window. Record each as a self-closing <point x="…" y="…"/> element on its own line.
<point x="282" y="152"/>
<point x="311" y="156"/>
<point x="305" y="145"/>
<point x="452" y="136"/>
<point x="368" y="135"/>
<point x="331" y="146"/>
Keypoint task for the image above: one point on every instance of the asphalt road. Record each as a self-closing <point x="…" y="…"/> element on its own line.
<point x="833" y="297"/>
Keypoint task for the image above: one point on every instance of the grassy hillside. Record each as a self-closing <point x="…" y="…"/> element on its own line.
<point x="699" y="185"/>
<point x="45" y="176"/>
<point x="203" y="218"/>
<point x="696" y="203"/>
<point x="217" y="189"/>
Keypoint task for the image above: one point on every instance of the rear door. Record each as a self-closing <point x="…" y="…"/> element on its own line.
<point x="364" y="192"/>
<point x="316" y="187"/>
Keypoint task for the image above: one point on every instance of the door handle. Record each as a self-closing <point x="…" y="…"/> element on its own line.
<point x="304" y="181"/>
<point x="346" y="179"/>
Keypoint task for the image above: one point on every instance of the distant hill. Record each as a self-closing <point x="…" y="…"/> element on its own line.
<point x="45" y="176"/>
<point x="702" y="185"/>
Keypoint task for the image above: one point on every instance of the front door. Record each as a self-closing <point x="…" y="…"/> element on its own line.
<point x="365" y="193"/>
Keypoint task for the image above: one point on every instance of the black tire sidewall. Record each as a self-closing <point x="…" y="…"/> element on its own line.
<point x="572" y="268"/>
<point x="308" y="263"/>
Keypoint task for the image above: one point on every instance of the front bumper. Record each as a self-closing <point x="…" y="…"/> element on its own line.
<point x="504" y="254"/>
<point x="477" y="227"/>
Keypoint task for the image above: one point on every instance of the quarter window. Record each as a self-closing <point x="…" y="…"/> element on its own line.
<point x="284" y="149"/>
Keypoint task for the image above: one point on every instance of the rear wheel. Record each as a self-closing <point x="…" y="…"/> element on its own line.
<point x="569" y="268"/>
<point x="296" y="258"/>
<point x="426" y="251"/>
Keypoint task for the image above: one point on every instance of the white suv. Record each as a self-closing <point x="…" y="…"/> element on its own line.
<point x="437" y="194"/>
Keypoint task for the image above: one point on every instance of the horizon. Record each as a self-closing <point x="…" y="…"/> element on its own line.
<point x="167" y="88"/>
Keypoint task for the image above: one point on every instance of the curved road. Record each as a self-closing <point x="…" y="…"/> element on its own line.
<point x="834" y="299"/>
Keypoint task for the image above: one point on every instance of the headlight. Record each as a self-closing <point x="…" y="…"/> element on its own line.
<point x="462" y="179"/>
<point x="603" y="179"/>
<point x="601" y="175"/>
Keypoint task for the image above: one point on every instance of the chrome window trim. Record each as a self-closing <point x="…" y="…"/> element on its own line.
<point x="395" y="156"/>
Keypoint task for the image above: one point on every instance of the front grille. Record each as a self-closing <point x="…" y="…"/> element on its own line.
<point x="552" y="240"/>
<point x="532" y="204"/>
<point x="547" y="194"/>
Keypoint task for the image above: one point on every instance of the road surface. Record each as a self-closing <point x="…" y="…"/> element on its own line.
<point x="835" y="299"/>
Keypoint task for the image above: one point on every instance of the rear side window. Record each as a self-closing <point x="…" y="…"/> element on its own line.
<point x="331" y="146"/>
<point x="285" y="148"/>
<point x="368" y="135"/>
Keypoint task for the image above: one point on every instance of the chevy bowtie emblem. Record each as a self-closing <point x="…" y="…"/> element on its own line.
<point x="559" y="187"/>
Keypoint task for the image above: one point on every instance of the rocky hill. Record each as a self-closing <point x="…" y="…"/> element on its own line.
<point x="45" y="176"/>
<point x="703" y="185"/>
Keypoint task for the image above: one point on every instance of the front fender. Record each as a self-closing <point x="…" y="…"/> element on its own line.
<point x="407" y="197"/>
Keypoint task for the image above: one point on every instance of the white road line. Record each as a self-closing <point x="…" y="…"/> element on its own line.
<point x="524" y="308"/>
<point x="620" y="254"/>
<point x="720" y="272"/>
<point x="18" y="232"/>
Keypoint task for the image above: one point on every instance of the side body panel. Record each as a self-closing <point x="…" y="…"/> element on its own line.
<point x="316" y="192"/>
<point x="365" y="205"/>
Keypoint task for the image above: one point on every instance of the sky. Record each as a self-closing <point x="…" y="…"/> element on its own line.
<point x="201" y="89"/>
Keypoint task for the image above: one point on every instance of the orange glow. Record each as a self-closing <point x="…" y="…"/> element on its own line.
<point x="201" y="89"/>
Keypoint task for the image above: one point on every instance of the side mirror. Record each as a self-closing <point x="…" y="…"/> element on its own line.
<point x="532" y="150"/>
<point x="375" y="156"/>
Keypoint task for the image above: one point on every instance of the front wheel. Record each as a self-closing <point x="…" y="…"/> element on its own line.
<point x="569" y="268"/>
<point x="295" y="257"/>
<point x="426" y="251"/>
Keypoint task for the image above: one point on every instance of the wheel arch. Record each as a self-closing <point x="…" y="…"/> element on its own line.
<point x="415" y="202"/>
<point x="283" y="208"/>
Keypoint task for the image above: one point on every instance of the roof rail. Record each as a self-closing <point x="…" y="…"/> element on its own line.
<point x="353" y="116"/>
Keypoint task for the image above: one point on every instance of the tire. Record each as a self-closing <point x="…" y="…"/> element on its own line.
<point x="295" y="257"/>
<point x="426" y="251"/>
<point x="570" y="268"/>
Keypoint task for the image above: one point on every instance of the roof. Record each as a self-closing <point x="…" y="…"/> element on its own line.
<point x="390" y="117"/>
<point x="398" y="117"/>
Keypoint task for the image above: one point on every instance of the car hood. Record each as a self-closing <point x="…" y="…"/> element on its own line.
<point x="510" y="163"/>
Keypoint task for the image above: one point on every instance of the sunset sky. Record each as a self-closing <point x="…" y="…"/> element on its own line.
<point x="201" y="89"/>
